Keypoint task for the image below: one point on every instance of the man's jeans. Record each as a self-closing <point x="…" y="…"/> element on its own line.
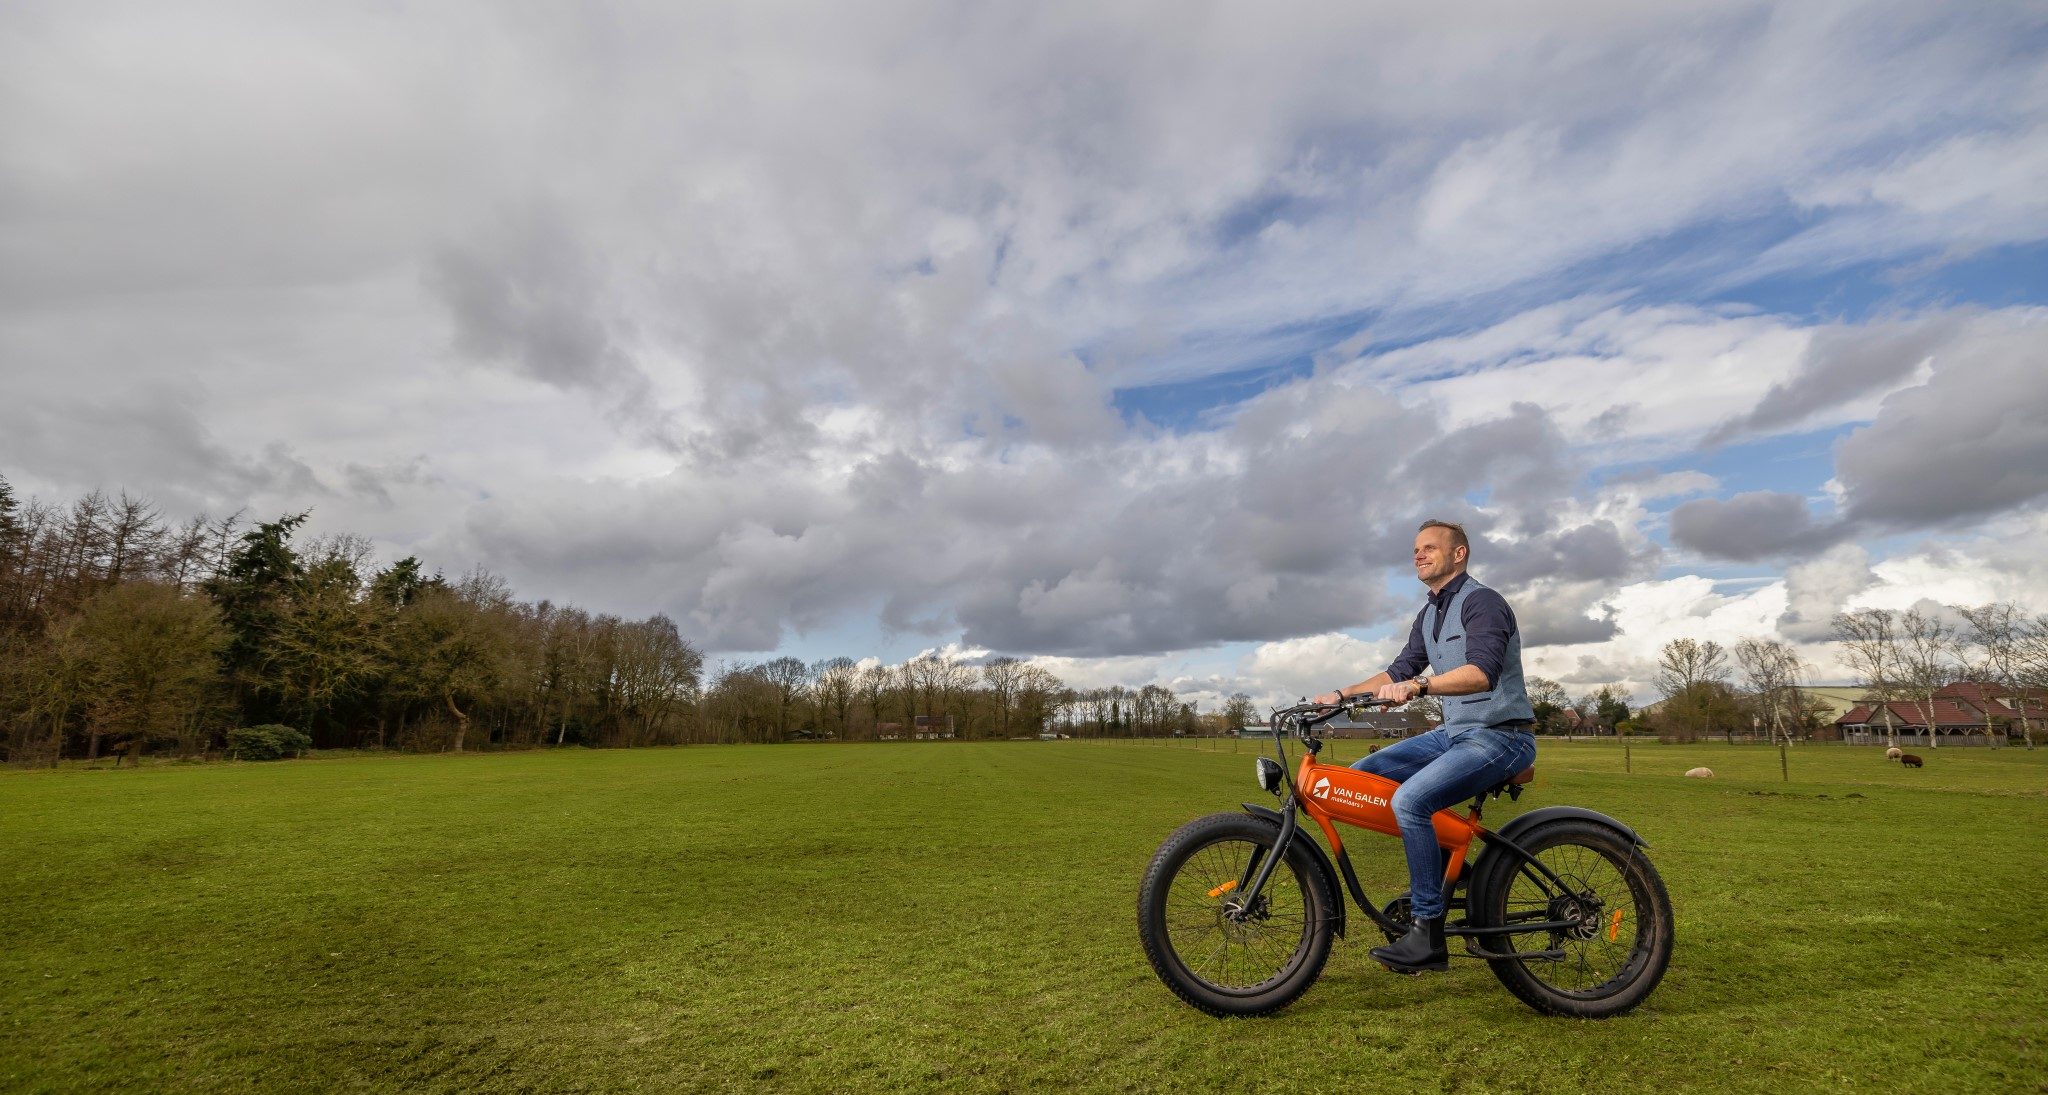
<point x="1435" y="771"/>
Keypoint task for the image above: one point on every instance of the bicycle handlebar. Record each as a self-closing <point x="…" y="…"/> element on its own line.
<point x="1315" y="714"/>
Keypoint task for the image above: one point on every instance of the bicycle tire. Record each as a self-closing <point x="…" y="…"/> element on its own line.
<point x="1178" y="912"/>
<point x="1599" y="976"/>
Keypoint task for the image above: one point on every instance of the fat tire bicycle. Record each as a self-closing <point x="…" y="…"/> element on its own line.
<point x="1238" y="911"/>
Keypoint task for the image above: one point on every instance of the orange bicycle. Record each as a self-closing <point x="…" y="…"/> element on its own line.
<point x="1238" y="911"/>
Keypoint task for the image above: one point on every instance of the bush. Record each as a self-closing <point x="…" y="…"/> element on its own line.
<point x="271" y="742"/>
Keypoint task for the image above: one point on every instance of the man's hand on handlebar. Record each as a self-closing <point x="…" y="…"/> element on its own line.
<point x="1393" y="694"/>
<point x="1396" y="693"/>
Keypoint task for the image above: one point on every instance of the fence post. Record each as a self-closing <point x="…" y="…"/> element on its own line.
<point x="1784" y="765"/>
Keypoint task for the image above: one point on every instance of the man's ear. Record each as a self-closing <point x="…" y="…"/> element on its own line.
<point x="1459" y="555"/>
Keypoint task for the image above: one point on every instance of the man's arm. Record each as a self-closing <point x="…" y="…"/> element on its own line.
<point x="1488" y="623"/>
<point x="1370" y="686"/>
<point x="1412" y="660"/>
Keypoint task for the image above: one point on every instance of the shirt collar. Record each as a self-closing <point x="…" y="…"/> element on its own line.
<point x="1443" y="596"/>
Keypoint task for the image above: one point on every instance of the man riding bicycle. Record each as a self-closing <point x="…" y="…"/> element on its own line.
<point x="1467" y="633"/>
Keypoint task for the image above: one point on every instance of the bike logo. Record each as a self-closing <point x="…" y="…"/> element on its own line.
<point x="1322" y="790"/>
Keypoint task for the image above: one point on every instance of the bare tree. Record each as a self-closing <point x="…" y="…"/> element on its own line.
<point x="835" y="681"/>
<point x="1869" y="639"/>
<point x="656" y="670"/>
<point x="955" y="679"/>
<point x="1003" y="675"/>
<point x="1040" y="696"/>
<point x="1686" y="663"/>
<point x="1152" y="709"/>
<point x="1997" y="636"/>
<point x="789" y="677"/>
<point x="921" y="679"/>
<point x="871" y="684"/>
<point x="1548" y="699"/>
<point x="1771" y="669"/>
<point x="134" y="538"/>
<point x="1238" y="712"/>
<point x="1693" y="677"/>
<point x="2031" y="657"/>
<point x="1927" y="662"/>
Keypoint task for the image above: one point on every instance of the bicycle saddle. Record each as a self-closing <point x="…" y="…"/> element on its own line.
<point x="1511" y="786"/>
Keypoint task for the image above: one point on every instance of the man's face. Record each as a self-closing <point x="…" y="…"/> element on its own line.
<point x="1434" y="556"/>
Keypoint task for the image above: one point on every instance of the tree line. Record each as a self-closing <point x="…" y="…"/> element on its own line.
<point x="123" y="632"/>
<point x="1704" y="695"/>
<point x="1893" y="656"/>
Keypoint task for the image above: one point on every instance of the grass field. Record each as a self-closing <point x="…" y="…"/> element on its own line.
<point x="960" y="917"/>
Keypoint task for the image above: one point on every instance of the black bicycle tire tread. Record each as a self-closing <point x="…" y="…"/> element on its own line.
<point x="1205" y="829"/>
<point x="1489" y="891"/>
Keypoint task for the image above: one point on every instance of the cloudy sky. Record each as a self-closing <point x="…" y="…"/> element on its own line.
<point x="1133" y="336"/>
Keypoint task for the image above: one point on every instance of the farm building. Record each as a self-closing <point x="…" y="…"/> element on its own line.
<point x="1963" y="713"/>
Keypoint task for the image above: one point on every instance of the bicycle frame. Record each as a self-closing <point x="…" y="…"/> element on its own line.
<point x="1330" y="794"/>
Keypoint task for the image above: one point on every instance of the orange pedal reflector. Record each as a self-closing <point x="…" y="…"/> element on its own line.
<point x="1614" y="927"/>
<point x="1224" y="889"/>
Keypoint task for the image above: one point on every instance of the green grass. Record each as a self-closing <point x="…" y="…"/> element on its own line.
<point x="960" y="917"/>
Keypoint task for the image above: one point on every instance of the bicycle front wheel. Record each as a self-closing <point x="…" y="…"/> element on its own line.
<point x="1214" y="950"/>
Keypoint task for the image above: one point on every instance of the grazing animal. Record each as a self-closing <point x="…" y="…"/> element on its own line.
<point x="1371" y="749"/>
<point x="1893" y="753"/>
<point x="1701" y="773"/>
<point x="1911" y="761"/>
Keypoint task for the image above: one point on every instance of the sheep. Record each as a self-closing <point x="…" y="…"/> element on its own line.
<point x="1700" y="773"/>
<point x="1911" y="761"/>
<point x="1893" y="753"/>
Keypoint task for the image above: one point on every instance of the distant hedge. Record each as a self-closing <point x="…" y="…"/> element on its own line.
<point x="270" y="742"/>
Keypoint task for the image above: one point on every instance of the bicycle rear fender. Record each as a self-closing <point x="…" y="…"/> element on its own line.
<point x="1317" y="856"/>
<point x="1533" y="818"/>
<point x="1490" y="860"/>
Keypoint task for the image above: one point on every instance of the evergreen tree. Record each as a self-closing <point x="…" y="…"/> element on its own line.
<point x="253" y="592"/>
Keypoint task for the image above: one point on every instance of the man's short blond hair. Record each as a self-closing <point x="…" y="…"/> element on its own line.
<point x="1458" y="539"/>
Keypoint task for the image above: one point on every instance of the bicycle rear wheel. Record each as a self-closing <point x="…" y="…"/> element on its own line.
<point x="1620" y="938"/>
<point x="1214" y="951"/>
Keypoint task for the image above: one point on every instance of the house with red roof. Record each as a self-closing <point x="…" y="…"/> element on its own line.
<point x="1967" y="712"/>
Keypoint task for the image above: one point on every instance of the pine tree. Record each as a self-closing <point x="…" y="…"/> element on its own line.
<point x="253" y="591"/>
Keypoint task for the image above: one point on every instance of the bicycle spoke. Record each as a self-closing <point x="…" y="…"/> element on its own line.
<point x="1235" y="955"/>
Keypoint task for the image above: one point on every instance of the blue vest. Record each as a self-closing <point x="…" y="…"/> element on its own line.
<point x="1509" y="699"/>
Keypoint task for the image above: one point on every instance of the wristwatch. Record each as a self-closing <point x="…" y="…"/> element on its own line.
<point x="1422" y="686"/>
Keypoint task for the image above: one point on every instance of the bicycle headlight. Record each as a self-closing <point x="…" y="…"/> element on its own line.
<point x="1269" y="774"/>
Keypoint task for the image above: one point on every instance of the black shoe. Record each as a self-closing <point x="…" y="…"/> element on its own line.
<point x="1421" y="949"/>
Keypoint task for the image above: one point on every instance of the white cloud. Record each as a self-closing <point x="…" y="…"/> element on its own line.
<point x="1292" y="668"/>
<point x="767" y="316"/>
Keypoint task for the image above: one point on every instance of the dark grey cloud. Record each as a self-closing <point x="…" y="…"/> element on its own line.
<point x="1751" y="526"/>
<point x="1971" y="442"/>
<point x="1843" y="364"/>
<point x="150" y="440"/>
<point x="526" y="295"/>
<point x="1595" y="551"/>
<point x="1521" y="458"/>
<point x="1285" y="523"/>
<point x="1563" y="613"/>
